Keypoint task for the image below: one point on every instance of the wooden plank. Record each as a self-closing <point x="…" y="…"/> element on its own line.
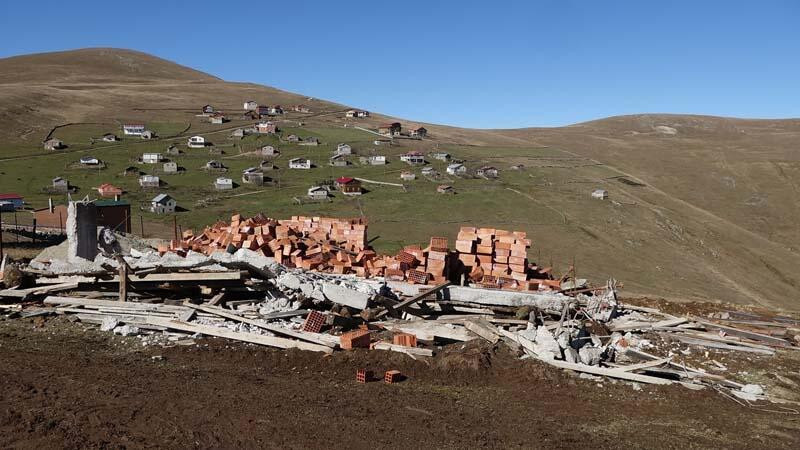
<point x="613" y="373"/>
<point x="97" y="303"/>
<point x="649" y="325"/>
<point x="644" y="365"/>
<point x="741" y="333"/>
<point x="402" y="305"/>
<point x="269" y="341"/>
<point x="482" y="329"/>
<point x="317" y="338"/>
<point x="415" y="351"/>
<point x="427" y="330"/>
<point x="721" y="346"/>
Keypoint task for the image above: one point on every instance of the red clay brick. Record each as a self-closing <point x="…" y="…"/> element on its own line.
<point x="404" y="339"/>
<point x="355" y="339"/>
<point x="392" y="376"/>
<point x="314" y="322"/>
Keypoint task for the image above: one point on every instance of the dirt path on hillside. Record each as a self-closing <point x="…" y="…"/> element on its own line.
<point x="69" y="385"/>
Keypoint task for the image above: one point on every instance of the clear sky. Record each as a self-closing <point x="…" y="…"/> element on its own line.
<point x="469" y="63"/>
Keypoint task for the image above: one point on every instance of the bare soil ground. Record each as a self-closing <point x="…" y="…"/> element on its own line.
<point x="68" y="385"/>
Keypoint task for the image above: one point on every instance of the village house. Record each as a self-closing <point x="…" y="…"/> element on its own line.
<point x="253" y="175"/>
<point x="275" y="110"/>
<point x="299" y="163"/>
<point x="310" y="141"/>
<point x="173" y="150"/>
<point x="223" y="184"/>
<point x="267" y="165"/>
<point x="60" y="184"/>
<point x="420" y="132"/>
<point x="600" y="194"/>
<point x="108" y="190"/>
<point x="348" y="186"/>
<point x="149" y="181"/>
<point x="151" y="158"/>
<point x="133" y="129"/>
<point x="238" y="133"/>
<point x="487" y="171"/>
<point x="108" y="137"/>
<point x="445" y="189"/>
<point x="456" y="169"/>
<point x="250" y="105"/>
<point x="249" y="115"/>
<point x="269" y="150"/>
<point x="390" y="129"/>
<point x="196" y="142"/>
<point x="131" y="171"/>
<point x="214" y="165"/>
<point x="293" y="138"/>
<point x="301" y="109"/>
<point x="441" y="156"/>
<point x="413" y="158"/>
<point x="357" y="113"/>
<point x="10" y="201"/>
<point x="517" y="167"/>
<point x="170" y="167"/>
<point x="54" y="144"/>
<point x="344" y="149"/>
<point x="407" y="176"/>
<point x="428" y="171"/>
<point x="217" y="119"/>
<point x="262" y="111"/>
<point x="317" y="193"/>
<point x="147" y="134"/>
<point x="338" y="161"/>
<point x="89" y="161"/>
<point x="382" y="142"/>
<point x="208" y="109"/>
<point x="266" y="128"/>
<point x="377" y="160"/>
<point x="163" y="204"/>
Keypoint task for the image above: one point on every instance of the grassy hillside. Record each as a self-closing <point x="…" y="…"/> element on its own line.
<point x="699" y="208"/>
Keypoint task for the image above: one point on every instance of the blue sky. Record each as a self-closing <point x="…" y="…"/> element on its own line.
<point x="468" y="63"/>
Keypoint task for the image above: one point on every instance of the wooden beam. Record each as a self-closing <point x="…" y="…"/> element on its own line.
<point x="400" y="306"/>
<point x="721" y="346"/>
<point x="252" y="338"/>
<point x="742" y="333"/>
<point x="317" y="338"/>
<point x="644" y="365"/>
<point x="482" y="329"/>
<point x="414" y="351"/>
<point x="613" y="373"/>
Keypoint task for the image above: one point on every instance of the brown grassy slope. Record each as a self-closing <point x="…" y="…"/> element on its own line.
<point x="721" y="200"/>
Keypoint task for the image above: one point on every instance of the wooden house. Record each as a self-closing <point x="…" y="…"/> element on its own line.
<point x="60" y="184"/>
<point x="250" y="105"/>
<point x="149" y="181"/>
<point x="300" y="163"/>
<point x="317" y="193"/>
<point x="262" y="111"/>
<point x="408" y="176"/>
<point x="173" y="150"/>
<point x="171" y="167"/>
<point x="293" y="138"/>
<point x="238" y="133"/>
<point x="600" y="194"/>
<point x="310" y="141"/>
<point x="269" y="150"/>
<point x="356" y="113"/>
<point x="348" y="186"/>
<point x="223" y="184"/>
<point x="208" y="109"/>
<point x="456" y="169"/>
<point x="268" y="127"/>
<point x="217" y="119"/>
<point x="196" y="142"/>
<point x="420" y="132"/>
<point x="214" y="165"/>
<point x="108" y="190"/>
<point x="133" y="129"/>
<point x="441" y="156"/>
<point x="151" y="158"/>
<point x="54" y="144"/>
<point x="487" y="172"/>
<point x="163" y="204"/>
<point x="147" y="134"/>
<point x="344" y="149"/>
<point x="109" y="137"/>
<point x="413" y="158"/>
<point x="390" y="129"/>
<point x="131" y="171"/>
<point x="253" y="175"/>
<point x="377" y="160"/>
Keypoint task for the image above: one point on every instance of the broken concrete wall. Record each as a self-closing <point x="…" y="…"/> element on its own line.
<point x="82" y="231"/>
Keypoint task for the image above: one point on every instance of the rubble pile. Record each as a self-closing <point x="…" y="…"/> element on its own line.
<point x="485" y="257"/>
<point x="223" y="283"/>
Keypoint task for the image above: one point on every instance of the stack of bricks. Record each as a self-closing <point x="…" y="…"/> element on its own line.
<point x="490" y="257"/>
<point x="495" y="258"/>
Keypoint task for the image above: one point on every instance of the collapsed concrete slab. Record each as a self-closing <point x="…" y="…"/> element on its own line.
<point x="345" y="296"/>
